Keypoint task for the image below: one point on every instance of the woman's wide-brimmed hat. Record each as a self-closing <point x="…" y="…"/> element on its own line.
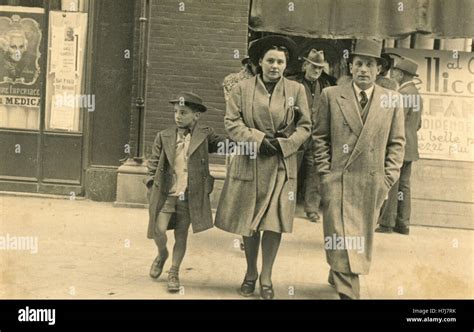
<point x="261" y="45"/>
<point x="190" y="98"/>
<point x="369" y="47"/>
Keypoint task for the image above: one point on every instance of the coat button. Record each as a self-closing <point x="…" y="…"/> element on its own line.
<point x="372" y="173"/>
<point x="372" y="149"/>
<point x="345" y="123"/>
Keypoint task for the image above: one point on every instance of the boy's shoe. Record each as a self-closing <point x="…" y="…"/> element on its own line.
<point x="173" y="283"/>
<point x="313" y="217"/>
<point x="157" y="266"/>
<point x="402" y="230"/>
<point x="384" y="229"/>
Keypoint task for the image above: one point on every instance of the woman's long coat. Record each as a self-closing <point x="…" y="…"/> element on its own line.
<point x="238" y="201"/>
<point x="358" y="163"/>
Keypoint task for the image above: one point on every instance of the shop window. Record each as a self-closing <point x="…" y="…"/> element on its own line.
<point x="21" y="43"/>
<point x="22" y="76"/>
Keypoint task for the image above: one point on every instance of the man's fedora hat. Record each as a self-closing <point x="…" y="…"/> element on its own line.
<point x="407" y="65"/>
<point x="190" y="98"/>
<point x="261" y="45"/>
<point x="369" y="47"/>
<point x="316" y="58"/>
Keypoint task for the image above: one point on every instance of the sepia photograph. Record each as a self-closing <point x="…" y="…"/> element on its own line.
<point x="180" y="153"/>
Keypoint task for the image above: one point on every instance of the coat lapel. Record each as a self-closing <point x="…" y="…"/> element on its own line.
<point x="198" y="136"/>
<point x="371" y="126"/>
<point x="348" y="104"/>
<point x="248" y="96"/>
<point x="169" y="143"/>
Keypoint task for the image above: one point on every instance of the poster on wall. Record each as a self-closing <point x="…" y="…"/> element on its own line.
<point x="21" y="37"/>
<point x="67" y="45"/>
<point x="446" y="84"/>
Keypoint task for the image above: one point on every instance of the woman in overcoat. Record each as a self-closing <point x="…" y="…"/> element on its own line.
<point x="259" y="194"/>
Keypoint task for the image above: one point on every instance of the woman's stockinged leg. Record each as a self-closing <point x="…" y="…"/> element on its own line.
<point x="160" y="233"/>
<point x="270" y="244"/>
<point x="251" y="246"/>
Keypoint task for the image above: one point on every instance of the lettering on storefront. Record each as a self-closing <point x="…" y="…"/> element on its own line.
<point x="446" y="84"/>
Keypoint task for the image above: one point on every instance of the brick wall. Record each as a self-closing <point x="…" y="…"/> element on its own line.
<point x="192" y="50"/>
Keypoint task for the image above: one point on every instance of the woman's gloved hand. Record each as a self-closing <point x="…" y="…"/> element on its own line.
<point x="267" y="149"/>
<point x="274" y="142"/>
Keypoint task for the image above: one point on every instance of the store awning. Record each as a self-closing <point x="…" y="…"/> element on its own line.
<point x="364" y="18"/>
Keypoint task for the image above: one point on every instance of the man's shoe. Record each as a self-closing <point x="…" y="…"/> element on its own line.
<point x="173" y="283"/>
<point x="384" y="229"/>
<point x="343" y="296"/>
<point x="157" y="266"/>
<point x="402" y="230"/>
<point x="313" y="217"/>
<point x="331" y="279"/>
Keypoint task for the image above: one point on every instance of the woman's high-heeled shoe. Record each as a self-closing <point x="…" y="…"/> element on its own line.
<point x="248" y="287"/>
<point x="266" y="292"/>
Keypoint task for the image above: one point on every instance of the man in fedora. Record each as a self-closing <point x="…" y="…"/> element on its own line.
<point x="358" y="150"/>
<point x="382" y="78"/>
<point x="314" y="80"/>
<point x="396" y="211"/>
<point x="179" y="183"/>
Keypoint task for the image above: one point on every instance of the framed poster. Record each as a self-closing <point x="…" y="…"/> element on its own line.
<point x="21" y="37"/>
<point x="67" y="44"/>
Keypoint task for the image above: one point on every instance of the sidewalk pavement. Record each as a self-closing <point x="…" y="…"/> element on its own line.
<point x="91" y="250"/>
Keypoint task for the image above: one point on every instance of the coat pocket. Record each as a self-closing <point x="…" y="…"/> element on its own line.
<point x="241" y="168"/>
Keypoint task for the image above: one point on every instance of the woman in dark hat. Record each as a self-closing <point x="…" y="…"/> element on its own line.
<point x="259" y="194"/>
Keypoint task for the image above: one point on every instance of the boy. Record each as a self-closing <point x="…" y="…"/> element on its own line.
<point x="179" y="183"/>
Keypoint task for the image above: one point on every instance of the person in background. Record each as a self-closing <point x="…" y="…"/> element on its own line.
<point x="396" y="211"/>
<point x="314" y="80"/>
<point x="382" y="78"/>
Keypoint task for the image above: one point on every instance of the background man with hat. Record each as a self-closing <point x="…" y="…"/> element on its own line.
<point x="358" y="151"/>
<point x="382" y="78"/>
<point x="179" y="183"/>
<point x="314" y="80"/>
<point x="396" y="211"/>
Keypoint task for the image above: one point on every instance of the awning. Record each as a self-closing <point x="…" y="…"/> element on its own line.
<point x="364" y="18"/>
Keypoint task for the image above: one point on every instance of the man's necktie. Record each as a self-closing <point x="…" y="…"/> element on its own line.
<point x="363" y="100"/>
